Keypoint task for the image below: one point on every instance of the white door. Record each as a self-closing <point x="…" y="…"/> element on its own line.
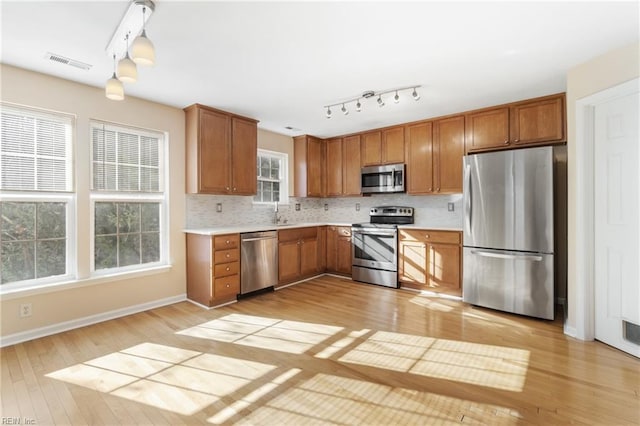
<point x="616" y="220"/>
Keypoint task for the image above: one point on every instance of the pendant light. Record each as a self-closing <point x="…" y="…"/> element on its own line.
<point x="396" y="98"/>
<point x="114" y="89"/>
<point x="380" y="101"/>
<point x="415" y="94"/>
<point x="344" y="110"/>
<point x="358" y="106"/>
<point x="142" y="50"/>
<point x="127" y="70"/>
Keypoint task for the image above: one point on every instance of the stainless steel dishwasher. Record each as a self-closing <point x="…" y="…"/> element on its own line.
<point x="259" y="261"/>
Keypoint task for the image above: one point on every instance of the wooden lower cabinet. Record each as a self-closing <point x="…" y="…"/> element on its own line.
<point x="298" y="254"/>
<point x="430" y="260"/>
<point x="339" y="250"/>
<point x="213" y="268"/>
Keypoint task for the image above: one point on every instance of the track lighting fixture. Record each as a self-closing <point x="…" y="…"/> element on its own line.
<point x="132" y="24"/>
<point x="370" y="94"/>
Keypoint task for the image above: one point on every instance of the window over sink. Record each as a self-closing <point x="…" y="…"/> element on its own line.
<point x="272" y="175"/>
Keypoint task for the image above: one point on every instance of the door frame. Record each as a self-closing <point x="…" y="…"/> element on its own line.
<point x="585" y="206"/>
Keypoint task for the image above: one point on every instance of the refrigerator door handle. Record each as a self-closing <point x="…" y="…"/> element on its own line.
<point x="531" y="257"/>
<point x="468" y="199"/>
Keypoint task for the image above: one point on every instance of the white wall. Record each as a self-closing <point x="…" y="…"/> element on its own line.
<point x="598" y="74"/>
<point x="87" y="299"/>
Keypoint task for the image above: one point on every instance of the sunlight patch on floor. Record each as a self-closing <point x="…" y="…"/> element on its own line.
<point x="432" y="304"/>
<point x="265" y="333"/>
<point x="327" y="398"/>
<point x="174" y="379"/>
<point x="478" y="364"/>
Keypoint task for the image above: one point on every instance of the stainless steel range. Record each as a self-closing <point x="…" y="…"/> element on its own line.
<point x="375" y="245"/>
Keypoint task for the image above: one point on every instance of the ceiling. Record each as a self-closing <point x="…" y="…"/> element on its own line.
<point x="281" y="62"/>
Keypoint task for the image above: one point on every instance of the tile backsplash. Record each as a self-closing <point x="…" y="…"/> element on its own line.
<point x="430" y="210"/>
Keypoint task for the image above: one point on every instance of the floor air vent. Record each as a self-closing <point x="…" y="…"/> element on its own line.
<point x="67" y="61"/>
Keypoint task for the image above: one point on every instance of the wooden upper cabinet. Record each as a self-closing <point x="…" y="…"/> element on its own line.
<point x="383" y="147"/>
<point x="393" y="145"/>
<point x="221" y="150"/>
<point x="371" y="147"/>
<point x="244" y="151"/>
<point x="334" y="166"/>
<point x="351" y="164"/>
<point x="448" y="150"/>
<point x="538" y="121"/>
<point x="488" y="129"/>
<point x="419" y="147"/>
<point x="308" y="158"/>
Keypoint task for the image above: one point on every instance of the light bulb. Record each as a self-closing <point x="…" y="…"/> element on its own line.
<point x="328" y="112"/>
<point x="396" y="98"/>
<point x="344" y="110"/>
<point x="127" y="70"/>
<point x="415" y="94"/>
<point x="380" y="101"/>
<point x="358" y="106"/>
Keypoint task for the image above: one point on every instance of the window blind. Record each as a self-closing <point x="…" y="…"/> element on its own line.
<point x="35" y="150"/>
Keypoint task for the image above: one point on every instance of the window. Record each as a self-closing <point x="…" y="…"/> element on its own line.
<point x="36" y="181"/>
<point x="128" y="198"/>
<point x="272" y="177"/>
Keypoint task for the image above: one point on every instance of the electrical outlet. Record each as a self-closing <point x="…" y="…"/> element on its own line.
<point x="26" y="309"/>
<point x="357" y="207"/>
<point x="326" y="207"/>
<point x="297" y="207"/>
<point x="450" y="207"/>
<point x="219" y="207"/>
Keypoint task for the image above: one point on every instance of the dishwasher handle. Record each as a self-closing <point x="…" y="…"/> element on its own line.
<point x="246" y="240"/>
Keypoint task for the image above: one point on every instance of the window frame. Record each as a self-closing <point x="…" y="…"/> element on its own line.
<point x="284" y="177"/>
<point x="68" y="196"/>
<point x="161" y="197"/>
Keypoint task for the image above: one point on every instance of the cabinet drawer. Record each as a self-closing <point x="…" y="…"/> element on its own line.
<point x="427" y="235"/>
<point x="224" y="242"/>
<point x="226" y="269"/>
<point x="298" y="234"/>
<point x="226" y="286"/>
<point x="226" y="256"/>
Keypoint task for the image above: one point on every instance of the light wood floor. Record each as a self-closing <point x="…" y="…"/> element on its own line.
<point x="325" y="351"/>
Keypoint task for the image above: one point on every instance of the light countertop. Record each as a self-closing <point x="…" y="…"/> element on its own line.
<point x="238" y="229"/>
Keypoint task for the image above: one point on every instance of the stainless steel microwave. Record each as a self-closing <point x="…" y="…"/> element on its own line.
<point x="386" y="178"/>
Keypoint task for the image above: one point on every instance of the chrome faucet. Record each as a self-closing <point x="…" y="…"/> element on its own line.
<point x="276" y="218"/>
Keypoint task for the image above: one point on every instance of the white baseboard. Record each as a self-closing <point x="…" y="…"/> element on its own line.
<point x="48" y="330"/>
<point x="570" y="331"/>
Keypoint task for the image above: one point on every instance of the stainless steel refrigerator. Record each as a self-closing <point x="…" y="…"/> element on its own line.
<point x="508" y="253"/>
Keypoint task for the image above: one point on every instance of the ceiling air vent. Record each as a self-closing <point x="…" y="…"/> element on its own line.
<point x="67" y="61"/>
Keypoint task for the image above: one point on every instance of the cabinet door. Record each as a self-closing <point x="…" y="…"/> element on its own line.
<point x="419" y="159"/>
<point x="315" y="159"/>
<point x="539" y="121"/>
<point x="371" y="148"/>
<point x="322" y="248"/>
<point x="344" y="255"/>
<point x="332" y="249"/>
<point x="288" y="261"/>
<point x="334" y="166"/>
<point x="448" y="142"/>
<point x="393" y="145"/>
<point x="244" y="152"/>
<point x="444" y="266"/>
<point x="351" y="163"/>
<point x="487" y="129"/>
<point x="308" y="257"/>
<point x="412" y="262"/>
<point x="214" y="153"/>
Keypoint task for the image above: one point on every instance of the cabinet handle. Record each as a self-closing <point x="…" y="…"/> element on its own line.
<point x="227" y="188"/>
<point x="517" y="140"/>
<point x="228" y="242"/>
<point x="228" y="269"/>
<point x="228" y="285"/>
<point x="506" y="142"/>
<point x="235" y="189"/>
<point x="228" y="255"/>
<point x="438" y="189"/>
<point x="430" y="189"/>
<point x="427" y="236"/>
